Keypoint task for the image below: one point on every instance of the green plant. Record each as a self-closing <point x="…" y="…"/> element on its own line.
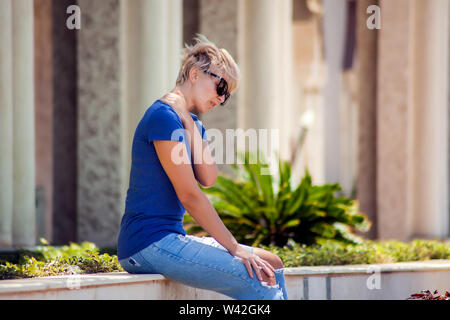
<point x="367" y="252"/>
<point x="330" y="252"/>
<point x="259" y="210"/>
<point x="49" y="252"/>
<point x="46" y="260"/>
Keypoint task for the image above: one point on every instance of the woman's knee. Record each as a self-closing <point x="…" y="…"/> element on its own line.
<point x="273" y="260"/>
<point x="270" y="257"/>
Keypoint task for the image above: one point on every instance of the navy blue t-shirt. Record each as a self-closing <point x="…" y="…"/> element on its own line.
<point x="152" y="208"/>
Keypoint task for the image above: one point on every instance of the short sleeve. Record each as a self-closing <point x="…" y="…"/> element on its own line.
<point x="200" y="127"/>
<point x="164" y="124"/>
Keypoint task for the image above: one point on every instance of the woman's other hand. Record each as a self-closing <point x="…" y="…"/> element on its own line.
<point x="177" y="101"/>
<point x="258" y="264"/>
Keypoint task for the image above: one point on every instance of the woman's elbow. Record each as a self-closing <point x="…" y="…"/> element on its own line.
<point x="190" y="197"/>
<point x="207" y="178"/>
<point x="209" y="181"/>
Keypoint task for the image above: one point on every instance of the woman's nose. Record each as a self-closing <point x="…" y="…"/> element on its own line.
<point x="222" y="98"/>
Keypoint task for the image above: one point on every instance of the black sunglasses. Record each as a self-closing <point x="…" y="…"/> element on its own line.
<point x="222" y="87"/>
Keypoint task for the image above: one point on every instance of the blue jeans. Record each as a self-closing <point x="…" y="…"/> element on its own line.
<point x="203" y="263"/>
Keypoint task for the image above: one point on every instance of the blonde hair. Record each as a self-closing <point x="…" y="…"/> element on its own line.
<point x="204" y="54"/>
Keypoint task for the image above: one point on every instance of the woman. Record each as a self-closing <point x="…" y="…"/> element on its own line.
<point x="170" y="156"/>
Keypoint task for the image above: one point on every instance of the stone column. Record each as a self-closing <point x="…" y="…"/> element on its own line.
<point x="160" y="45"/>
<point x="367" y="89"/>
<point x="6" y="125"/>
<point x="151" y="36"/>
<point x="430" y="90"/>
<point x="128" y="56"/>
<point x="394" y="112"/>
<point x="174" y="23"/>
<point x="219" y="23"/>
<point x="65" y="122"/>
<point x="99" y="166"/>
<point x="43" y="82"/>
<point x="334" y="22"/>
<point x="412" y="123"/>
<point x="191" y="21"/>
<point x="266" y="65"/>
<point x="287" y="122"/>
<point x="23" y="128"/>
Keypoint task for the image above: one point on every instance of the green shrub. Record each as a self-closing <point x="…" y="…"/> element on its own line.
<point x="46" y="260"/>
<point x="257" y="210"/>
<point x="85" y="258"/>
<point x="367" y="252"/>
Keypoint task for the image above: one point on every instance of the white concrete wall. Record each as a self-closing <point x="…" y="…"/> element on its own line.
<point x="395" y="281"/>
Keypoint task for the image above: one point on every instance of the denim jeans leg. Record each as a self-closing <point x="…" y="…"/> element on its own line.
<point x="279" y="277"/>
<point x="202" y="263"/>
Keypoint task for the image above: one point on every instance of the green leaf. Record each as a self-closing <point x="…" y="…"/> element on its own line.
<point x="291" y="223"/>
<point x="323" y="229"/>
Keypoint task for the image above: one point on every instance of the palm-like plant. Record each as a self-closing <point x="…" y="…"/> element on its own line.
<point x="258" y="210"/>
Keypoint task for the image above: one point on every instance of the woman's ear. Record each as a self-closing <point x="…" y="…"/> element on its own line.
<point x="193" y="74"/>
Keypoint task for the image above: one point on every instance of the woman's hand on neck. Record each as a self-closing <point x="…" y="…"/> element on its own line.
<point x="176" y="99"/>
<point x="184" y="92"/>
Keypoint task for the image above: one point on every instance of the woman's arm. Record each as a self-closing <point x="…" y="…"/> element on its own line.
<point x="205" y="168"/>
<point x="199" y="207"/>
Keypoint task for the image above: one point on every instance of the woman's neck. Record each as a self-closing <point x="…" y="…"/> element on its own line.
<point x="185" y="90"/>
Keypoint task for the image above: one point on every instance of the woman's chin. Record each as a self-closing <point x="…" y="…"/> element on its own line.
<point x="203" y="109"/>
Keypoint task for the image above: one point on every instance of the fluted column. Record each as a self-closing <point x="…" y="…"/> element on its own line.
<point x="99" y="183"/>
<point x="430" y="89"/>
<point x="23" y="124"/>
<point x="266" y="66"/>
<point x="412" y="120"/>
<point x="6" y="128"/>
<point x="160" y="47"/>
<point x="128" y="56"/>
<point x="394" y="110"/>
<point x="367" y="89"/>
<point x="334" y="41"/>
<point x="287" y="122"/>
<point x="151" y="45"/>
<point x="225" y="35"/>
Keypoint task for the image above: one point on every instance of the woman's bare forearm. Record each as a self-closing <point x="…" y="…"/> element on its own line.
<point x="201" y="209"/>
<point x="205" y="168"/>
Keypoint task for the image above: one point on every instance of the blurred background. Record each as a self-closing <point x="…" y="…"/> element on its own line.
<point x="358" y="89"/>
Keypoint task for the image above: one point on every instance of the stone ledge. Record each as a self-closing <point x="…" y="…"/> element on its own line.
<point x="85" y="280"/>
<point x="397" y="281"/>
<point x="366" y="268"/>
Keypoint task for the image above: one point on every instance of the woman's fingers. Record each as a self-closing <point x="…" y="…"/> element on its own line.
<point x="269" y="265"/>
<point x="251" y="264"/>
<point x="268" y="271"/>
<point x="259" y="265"/>
<point x="257" y="270"/>
<point x="249" y="268"/>
<point x="174" y="99"/>
<point x="267" y="268"/>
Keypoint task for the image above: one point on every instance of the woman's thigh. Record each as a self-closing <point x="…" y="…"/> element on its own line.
<point x="202" y="263"/>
